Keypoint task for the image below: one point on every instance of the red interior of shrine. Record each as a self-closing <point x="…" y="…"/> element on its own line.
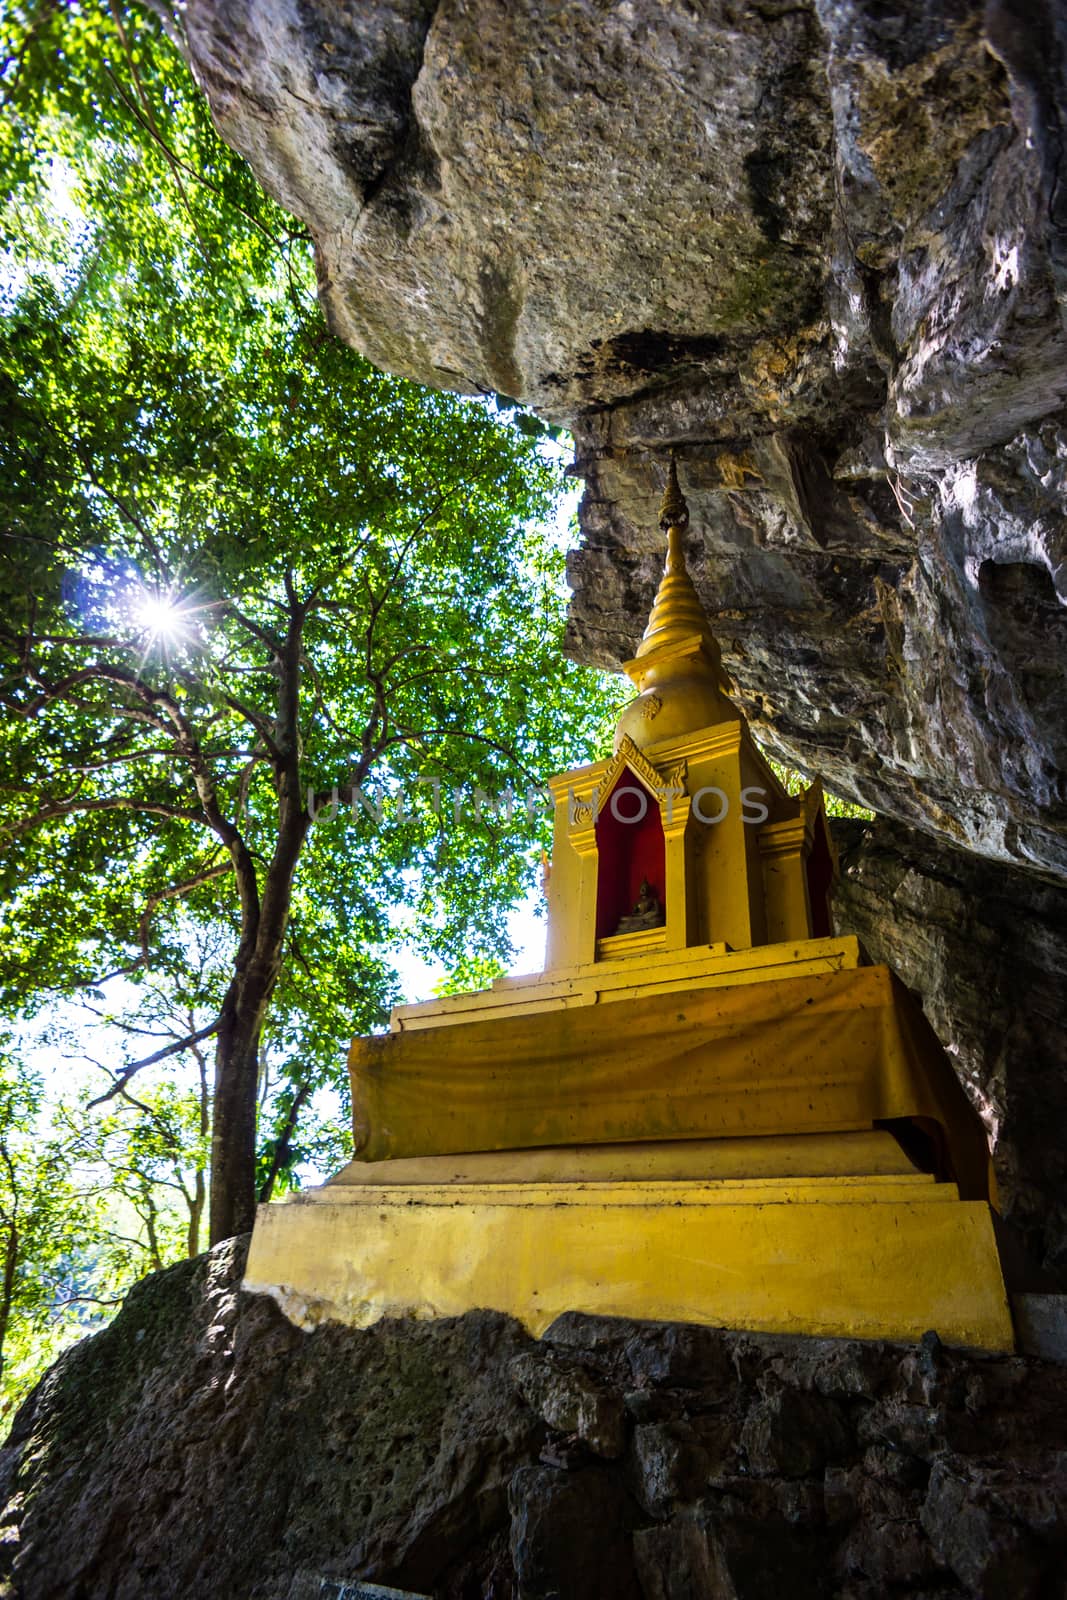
<point x="628" y="851"/>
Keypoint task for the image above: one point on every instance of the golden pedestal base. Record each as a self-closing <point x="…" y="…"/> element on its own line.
<point x="693" y="1122"/>
<point x="698" y="1136"/>
<point x="885" y="1255"/>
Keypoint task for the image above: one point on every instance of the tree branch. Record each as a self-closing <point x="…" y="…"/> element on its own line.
<point x="122" y="1078"/>
<point x="66" y="808"/>
<point x="172" y="893"/>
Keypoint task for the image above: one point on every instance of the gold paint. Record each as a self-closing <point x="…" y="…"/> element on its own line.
<point x="685" y="1121"/>
<point x="867" y="1258"/>
<point x="811" y="1155"/>
<point x="676" y="612"/>
<point x="613" y="975"/>
<point x="677" y="668"/>
<point x="833" y="1051"/>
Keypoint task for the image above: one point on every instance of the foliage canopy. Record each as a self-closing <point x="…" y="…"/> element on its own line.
<point x="243" y="575"/>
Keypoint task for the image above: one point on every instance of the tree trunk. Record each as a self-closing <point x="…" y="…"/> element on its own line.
<point x="196" y="1211"/>
<point x="7" y="1294"/>
<point x="259" y="962"/>
<point x="153" y="1235"/>
<point x="196" y="1204"/>
<point x="284" y="1144"/>
<point x="233" y="1130"/>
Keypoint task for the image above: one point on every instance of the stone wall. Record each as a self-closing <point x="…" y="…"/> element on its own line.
<point x="201" y="1445"/>
<point x="985" y="948"/>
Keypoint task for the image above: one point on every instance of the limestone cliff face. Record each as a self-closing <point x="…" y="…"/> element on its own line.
<point x="986" y="950"/>
<point x="819" y="248"/>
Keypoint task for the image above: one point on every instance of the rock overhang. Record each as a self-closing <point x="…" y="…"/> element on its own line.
<point x="817" y="250"/>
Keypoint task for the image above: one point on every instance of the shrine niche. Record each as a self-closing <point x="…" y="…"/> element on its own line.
<point x="631" y="864"/>
<point x="743" y="863"/>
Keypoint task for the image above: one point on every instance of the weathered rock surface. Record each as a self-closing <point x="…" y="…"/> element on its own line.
<point x="986" y="949"/>
<point x="203" y="1446"/>
<point x="819" y="247"/>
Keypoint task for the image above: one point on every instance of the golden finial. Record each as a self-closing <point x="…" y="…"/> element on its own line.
<point x="673" y="512"/>
<point x="676" y="613"/>
<point x="677" y="667"/>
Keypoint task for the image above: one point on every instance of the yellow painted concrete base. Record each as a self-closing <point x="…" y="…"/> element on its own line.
<point x="884" y="1256"/>
<point x="873" y="1153"/>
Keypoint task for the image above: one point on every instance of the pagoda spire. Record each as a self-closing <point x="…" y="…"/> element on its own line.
<point x="677" y="668"/>
<point x="677" y="614"/>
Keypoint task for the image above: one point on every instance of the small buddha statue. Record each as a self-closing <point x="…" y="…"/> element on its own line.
<point x="647" y="911"/>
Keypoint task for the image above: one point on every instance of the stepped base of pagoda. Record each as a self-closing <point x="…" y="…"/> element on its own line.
<point x="772" y="1235"/>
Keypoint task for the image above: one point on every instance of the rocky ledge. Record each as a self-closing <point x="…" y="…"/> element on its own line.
<point x="201" y="1445"/>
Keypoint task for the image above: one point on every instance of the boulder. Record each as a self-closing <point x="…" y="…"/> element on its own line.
<point x="818" y="248"/>
<point x="203" y="1445"/>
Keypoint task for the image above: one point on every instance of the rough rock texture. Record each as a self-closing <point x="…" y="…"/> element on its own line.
<point x="819" y="246"/>
<point x="986" y="950"/>
<point x="203" y="1446"/>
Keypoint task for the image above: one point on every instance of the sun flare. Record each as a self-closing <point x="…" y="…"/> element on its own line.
<point x="159" y="617"/>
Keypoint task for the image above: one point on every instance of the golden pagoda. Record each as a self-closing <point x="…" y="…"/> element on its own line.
<point x="707" y="1108"/>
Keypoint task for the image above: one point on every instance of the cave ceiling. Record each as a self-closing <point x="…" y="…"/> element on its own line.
<point x="817" y="249"/>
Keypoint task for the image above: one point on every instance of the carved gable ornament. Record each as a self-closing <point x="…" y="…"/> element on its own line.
<point x="666" y="788"/>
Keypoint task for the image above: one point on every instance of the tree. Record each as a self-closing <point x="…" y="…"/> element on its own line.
<point x="249" y="585"/>
<point x="149" y="1157"/>
<point x="49" y="1231"/>
<point x="260" y="622"/>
